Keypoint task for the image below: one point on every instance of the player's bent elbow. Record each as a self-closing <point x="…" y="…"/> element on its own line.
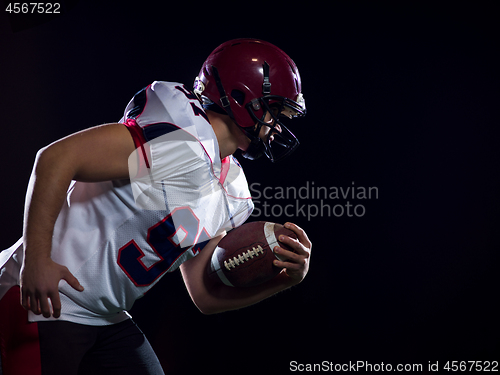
<point x="39" y="154"/>
<point x="206" y="304"/>
<point x="48" y="159"/>
<point x="213" y="309"/>
<point x="209" y="302"/>
<point x="206" y="309"/>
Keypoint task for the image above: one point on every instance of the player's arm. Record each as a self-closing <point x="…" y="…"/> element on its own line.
<point x="96" y="154"/>
<point x="213" y="297"/>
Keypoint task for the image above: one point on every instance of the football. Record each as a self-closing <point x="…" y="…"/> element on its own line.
<point x="244" y="257"/>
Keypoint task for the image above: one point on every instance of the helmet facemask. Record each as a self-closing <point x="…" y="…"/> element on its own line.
<point x="279" y="142"/>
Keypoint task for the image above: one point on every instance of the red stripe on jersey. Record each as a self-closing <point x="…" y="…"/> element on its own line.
<point x="138" y="137"/>
<point x="19" y="343"/>
<point x="224" y="169"/>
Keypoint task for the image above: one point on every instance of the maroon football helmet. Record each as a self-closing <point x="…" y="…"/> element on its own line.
<point x="246" y="79"/>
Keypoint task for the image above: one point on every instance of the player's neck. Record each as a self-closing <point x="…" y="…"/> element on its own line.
<point x="229" y="136"/>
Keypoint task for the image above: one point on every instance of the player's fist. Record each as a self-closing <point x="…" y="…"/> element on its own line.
<point x="40" y="283"/>
<point x="296" y="262"/>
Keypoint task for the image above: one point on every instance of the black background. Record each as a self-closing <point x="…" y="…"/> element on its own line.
<point x="404" y="98"/>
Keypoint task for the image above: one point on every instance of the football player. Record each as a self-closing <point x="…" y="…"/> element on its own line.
<point x="111" y="209"/>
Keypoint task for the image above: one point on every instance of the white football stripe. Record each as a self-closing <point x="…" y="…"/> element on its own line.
<point x="216" y="268"/>
<point x="271" y="237"/>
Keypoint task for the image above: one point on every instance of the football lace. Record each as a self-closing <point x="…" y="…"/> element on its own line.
<point x="242" y="258"/>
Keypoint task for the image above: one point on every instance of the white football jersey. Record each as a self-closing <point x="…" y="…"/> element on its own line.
<point x="120" y="237"/>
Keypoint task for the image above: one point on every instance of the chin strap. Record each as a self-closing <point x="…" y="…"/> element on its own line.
<point x="255" y="150"/>
<point x="224" y="100"/>
<point x="266" y="86"/>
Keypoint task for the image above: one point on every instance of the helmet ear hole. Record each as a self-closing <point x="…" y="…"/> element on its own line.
<point x="239" y="96"/>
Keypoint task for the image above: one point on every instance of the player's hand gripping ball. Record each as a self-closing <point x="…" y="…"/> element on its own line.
<point x="244" y="257"/>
